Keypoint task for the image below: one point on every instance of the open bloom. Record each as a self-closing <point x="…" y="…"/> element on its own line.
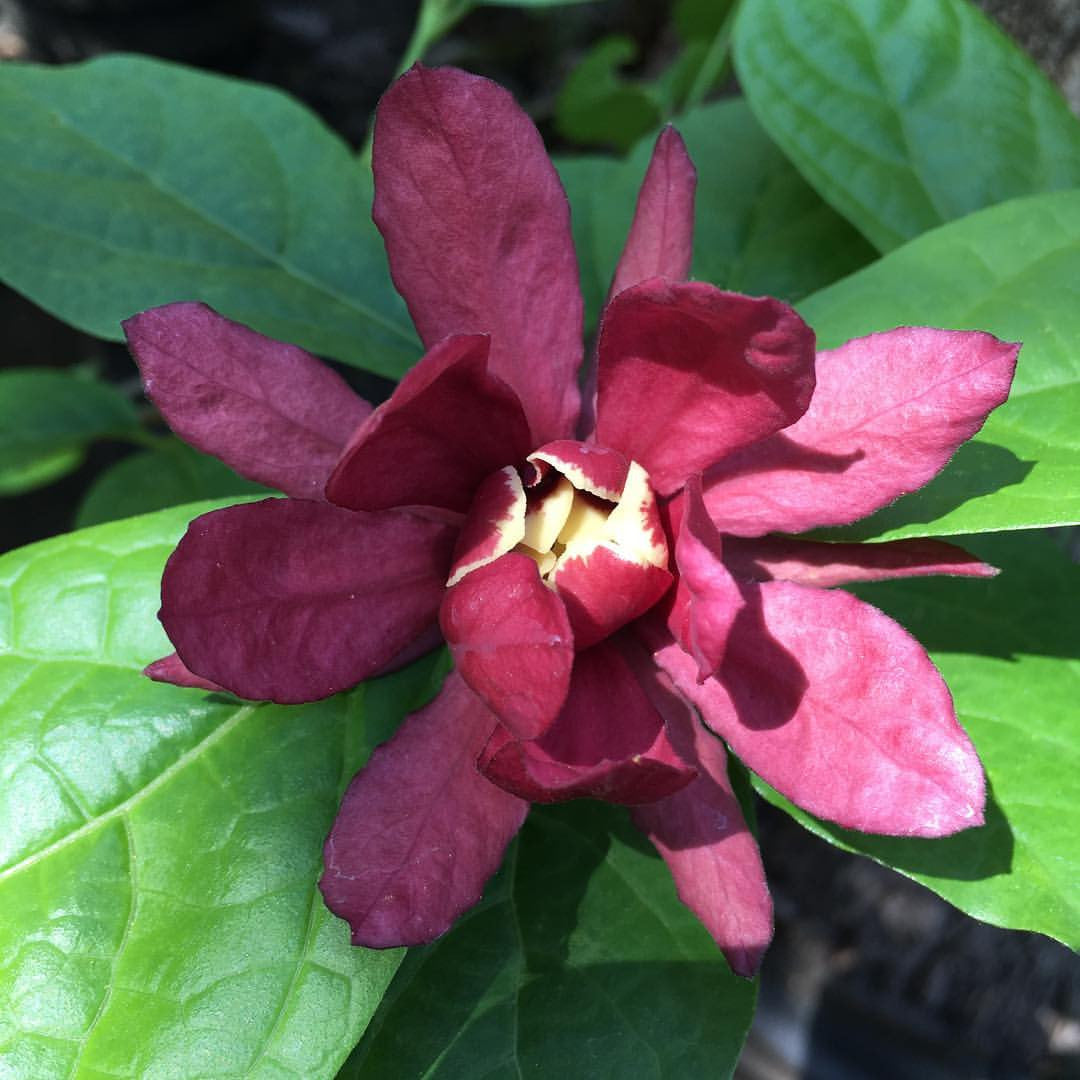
<point x="608" y="580"/>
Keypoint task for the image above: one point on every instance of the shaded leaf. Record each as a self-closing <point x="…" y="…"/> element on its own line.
<point x="127" y="182"/>
<point x="159" y="847"/>
<point x="579" y="962"/>
<point x="1013" y="270"/>
<point x="1010" y="651"/>
<point x="47" y="418"/>
<point x="889" y="109"/>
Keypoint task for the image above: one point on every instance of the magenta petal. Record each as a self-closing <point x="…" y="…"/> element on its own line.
<point x="810" y="562"/>
<point x="702" y="836"/>
<point x="448" y="425"/>
<point x="269" y="410"/>
<point x="511" y="641"/>
<point x="420" y="830"/>
<point x="841" y="710"/>
<point x="171" y="669"/>
<point x="707" y="598"/>
<point x="608" y="743"/>
<point x="888" y="413"/>
<point x="288" y="600"/>
<point x="477" y="230"/>
<point x="688" y="373"/>
<point x="660" y="242"/>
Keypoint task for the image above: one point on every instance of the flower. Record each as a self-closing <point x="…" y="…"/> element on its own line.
<point x="609" y="579"/>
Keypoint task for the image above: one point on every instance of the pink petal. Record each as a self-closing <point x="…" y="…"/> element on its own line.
<point x="702" y="836"/>
<point x="809" y="562"/>
<point x="608" y="743"/>
<point x="171" y="669"/>
<point x="420" y="830"/>
<point x="707" y="598"/>
<point x="689" y="374"/>
<point x="660" y="242"/>
<point x="288" y="600"/>
<point x="888" y="413"/>
<point x="841" y="710"/>
<point x="448" y="425"/>
<point x="511" y="641"/>
<point x="477" y="230"/>
<point x="269" y="410"/>
<point x="604" y="589"/>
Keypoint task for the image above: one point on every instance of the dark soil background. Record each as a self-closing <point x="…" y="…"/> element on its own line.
<point x="871" y="976"/>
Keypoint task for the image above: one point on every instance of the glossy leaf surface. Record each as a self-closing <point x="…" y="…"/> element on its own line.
<point x="1010" y="652"/>
<point x="159" y="847"/>
<point x="47" y="418"/>
<point x="1012" y="270"/>
<point x="904" y="114"/>
<point x="126" y="183"/>
<point x="579" y="962"/>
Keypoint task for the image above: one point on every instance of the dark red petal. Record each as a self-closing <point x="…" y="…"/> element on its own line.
<point x="888" y="413"/>
<point x="288" y="600"/>
<point x="707" y="598"/>
<point x="494" y="525"/>
<point x="420" y="830"/>
<point x="477" y="230"/>
<point x="608" y="743"/>
<point x="702" y="836"/>
<point x="660" y="242"/>
<point x="587" y="466"/>
<point x="689" y="373"/>
<point x="448" y="425"/>
<point x="171" y="669"/>
<point x="603" y="590"/>
<point x="511" y="641"/>
<point x="269" y="410"/>
<point x="810" y="562"/>
<point x="841" y="710"/>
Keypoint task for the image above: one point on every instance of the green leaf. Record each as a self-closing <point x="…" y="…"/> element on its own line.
<point x="156" y="479"/>
<point x="904" y="113"/>
<point x="1013" y="270"/>
<point x="1009" y="650"/>
<point x="759" y="227"/>
<point x="596" y="106"/>
<point x="579" y="962"/>
<point x="47" y="418"/>
<point x="159" y="847"/>
<point x="127" y="182"/>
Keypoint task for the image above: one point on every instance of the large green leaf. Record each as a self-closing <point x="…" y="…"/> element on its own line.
<point x="159" y="847"/>
<point x="579" y="962"/>
<point x="1013" y="270"/>
<point x="127" y="182"/>
<point x="47" y="418"/>
<point x="1010" y="651"/>
<point x="904" y="113"/>
<point x="170" y="475"/>
<point x="759" y="227"/>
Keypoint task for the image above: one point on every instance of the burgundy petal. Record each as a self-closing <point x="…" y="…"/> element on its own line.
<point x="511" y="641"/>
<point x="707" y="598"/>
<point x="888" y="413"/>
<point x="269" y="410"/>
<point x="702" y="836"/>
<point x="420" y="830"/>
<point x="604" y="589"/>
<point x="494" y="525"/>
<point x="837" y="707"/>
<point x="171" y="669"/>
<point x="608" y="743"/>
<point x="689" y="373"/>
<point x="660" y="242"/>
<point x="477" y="230"/>
<point x="810" y="562"/>
<point x="588" y="467"/>
<point x="448" y="425"/>
<point x="288" y="600"/>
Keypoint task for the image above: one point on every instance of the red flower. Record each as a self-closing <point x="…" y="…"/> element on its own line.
<point x="603" y="585"/>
